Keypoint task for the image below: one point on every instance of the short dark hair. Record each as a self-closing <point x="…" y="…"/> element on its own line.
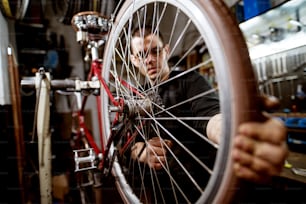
<point x="147" y="30"/>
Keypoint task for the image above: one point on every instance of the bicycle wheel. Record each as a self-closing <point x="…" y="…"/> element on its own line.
<point x="196" y="170"/>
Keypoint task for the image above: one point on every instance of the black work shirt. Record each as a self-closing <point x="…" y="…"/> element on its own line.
<point x="184" y="88"/>
<point x="173" y="93"/>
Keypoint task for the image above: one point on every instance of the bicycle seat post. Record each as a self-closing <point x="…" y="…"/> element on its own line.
<point x="94" y="49"/>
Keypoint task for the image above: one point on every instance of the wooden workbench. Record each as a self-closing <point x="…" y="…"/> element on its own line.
<point x="296" y="160"/>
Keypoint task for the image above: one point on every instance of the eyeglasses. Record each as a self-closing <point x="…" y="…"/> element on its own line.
<point x="155" y="52"/>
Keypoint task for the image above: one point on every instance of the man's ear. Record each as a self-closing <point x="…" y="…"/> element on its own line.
<point x="167" y="49"/>
<point x="134" y="60"/>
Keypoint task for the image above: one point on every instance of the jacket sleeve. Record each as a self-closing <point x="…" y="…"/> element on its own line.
<point x="206" y="105"/>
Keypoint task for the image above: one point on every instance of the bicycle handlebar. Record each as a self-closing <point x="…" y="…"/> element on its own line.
<point x="66" y="83"/>
<point x="75" y="84"/>
<point x="55" y="84"/>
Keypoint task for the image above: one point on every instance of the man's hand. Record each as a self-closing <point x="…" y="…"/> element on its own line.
<point x="260" y="148"/>
<point x="154" y="153"/>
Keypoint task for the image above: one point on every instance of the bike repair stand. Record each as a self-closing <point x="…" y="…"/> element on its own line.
<point x="42" y="85"/>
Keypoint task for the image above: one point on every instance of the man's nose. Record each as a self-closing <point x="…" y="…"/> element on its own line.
<point x="149" y="58"/>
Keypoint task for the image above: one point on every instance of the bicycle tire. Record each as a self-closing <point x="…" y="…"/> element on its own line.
<point x="237" y="85"/>
<point x="15" y="10"/>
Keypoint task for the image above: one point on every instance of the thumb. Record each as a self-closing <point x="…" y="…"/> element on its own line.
<point x="269" y="102"/>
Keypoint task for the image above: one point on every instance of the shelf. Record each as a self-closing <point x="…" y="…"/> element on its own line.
<point x="280" y="28"/>
<point x="33" y="25"/>
<point x="33" y="51"/>
<point x="31" y="40"/>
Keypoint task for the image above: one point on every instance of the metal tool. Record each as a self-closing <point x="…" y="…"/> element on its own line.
<point x="299" y="171"/>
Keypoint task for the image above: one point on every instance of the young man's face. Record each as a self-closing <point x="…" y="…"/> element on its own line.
<point x="149" y="55"/>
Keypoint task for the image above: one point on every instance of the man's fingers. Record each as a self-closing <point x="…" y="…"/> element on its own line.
<point x="155" y="141"/>
<point x="169" y="143"/>
<point x="156" y="162"/>
<point x="269" y="102"/>
<point x="266" y="151"/>
<point x="244" y="172"/>
<point x="156" y="151"/>
<point x="256" y="164"/>
<point x="257" y="160"/>
<point x="264" y="133"/>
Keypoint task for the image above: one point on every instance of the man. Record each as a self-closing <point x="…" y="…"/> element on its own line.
<point x="259" y="148"/>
